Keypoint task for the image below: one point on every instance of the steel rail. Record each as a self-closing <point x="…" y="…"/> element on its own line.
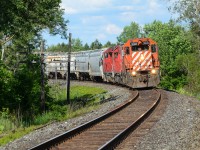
<point x="69" y="134"/>
<point x="122" y="135"/>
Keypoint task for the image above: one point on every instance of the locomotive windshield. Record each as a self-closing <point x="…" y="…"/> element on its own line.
<point x="140" y="47"/>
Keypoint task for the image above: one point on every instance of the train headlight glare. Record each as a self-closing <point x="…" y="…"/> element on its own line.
<point x="141" y="57"/>
<point x="153" y="71"/>
<point x="134" y="73"/>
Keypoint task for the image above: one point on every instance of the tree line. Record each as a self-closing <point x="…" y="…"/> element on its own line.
<point x="77" y="45"/>
<point x="22" y="23"/>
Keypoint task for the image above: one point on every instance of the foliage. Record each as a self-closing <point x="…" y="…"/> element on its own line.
<point x="58" y="111"/>
<point x="172" y="41"/>
<point x="58" y="48"/>
<point x="77" y="45"/>
<point x="23" y="22"/>
<point x="129" y="32"/>
<point x="108" y="44"/>
<point x="78" y="94"/>
<point x="188" y="11"/>
<point x="12" y="135"/>
<point x="190" y="64"/>
<point x="20" y="92"/>
<point x="86" y="46"/>
<point x="96" y="45"/>
<point x="7" y="81"/>
<point x="21" y="17"/>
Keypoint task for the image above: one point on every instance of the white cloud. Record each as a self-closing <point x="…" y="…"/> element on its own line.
<point x="69" y="10"/>
<point x="136" y="1"/>
<point x="113" y="29"/>
<point x="93" y="19"/>
<point x="101" y="36"/>
<point x="153" y="7"/>
<point x="79" y="6"/>
<point x="128" y="16"/>
<point x="126" y="8"/>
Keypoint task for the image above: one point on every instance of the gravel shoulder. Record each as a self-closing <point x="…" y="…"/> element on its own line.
<point x="178" y="129"/>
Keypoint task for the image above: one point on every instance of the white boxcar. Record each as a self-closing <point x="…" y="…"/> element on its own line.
<point x="95" y="64"/>
<point x="81" y="65"/>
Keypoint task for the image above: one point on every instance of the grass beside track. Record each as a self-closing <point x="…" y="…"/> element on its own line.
<point x="83" y="99"/>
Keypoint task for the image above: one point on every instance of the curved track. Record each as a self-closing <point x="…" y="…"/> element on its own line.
<point x="107" y="131"/>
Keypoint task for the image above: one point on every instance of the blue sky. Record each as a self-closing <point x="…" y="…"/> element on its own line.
<point x="105" y="19"/>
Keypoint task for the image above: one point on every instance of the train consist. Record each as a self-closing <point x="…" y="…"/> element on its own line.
<point x="135" y="64"/>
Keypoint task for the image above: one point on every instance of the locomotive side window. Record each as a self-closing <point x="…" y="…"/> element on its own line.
<point x="127" y="50"/>
<point x="153" y="48"/>
<point x="110" y="54"/>
<point x="116" y="55"/>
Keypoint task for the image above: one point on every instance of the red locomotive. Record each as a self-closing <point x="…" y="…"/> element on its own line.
<point x="135" y="64"/>
<point x="112" y="64"/>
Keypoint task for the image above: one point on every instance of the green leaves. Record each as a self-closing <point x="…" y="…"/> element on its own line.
<point x="96" y="44"/>
<point x="191" y="66"/>
<point x="187" y="10"/>
<point x="22" y="17"/>
<point x="129" y="32"/>
<point x="172" y="41"/>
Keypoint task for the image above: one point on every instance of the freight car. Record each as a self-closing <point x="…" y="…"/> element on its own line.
<point x="84" y="65"/>
<point x="55" y="66"/>
<point x="88" y="65"/>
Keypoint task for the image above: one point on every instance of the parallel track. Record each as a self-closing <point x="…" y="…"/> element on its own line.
<point x="109" y="130"/>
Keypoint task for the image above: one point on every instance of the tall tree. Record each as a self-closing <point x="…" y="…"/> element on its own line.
<point x="108" y="44"/>
<point x="188" y="11"/>
<point x="23" y="21"/>
<point x="86" y="47"/>
<point x="77" y="45"/>
<point x="96" y="45"/>
<point x="129" y="32"/>
<point x="172" y="41"/>
<point x="58" y="48"/>
<point x="26" y="16"/>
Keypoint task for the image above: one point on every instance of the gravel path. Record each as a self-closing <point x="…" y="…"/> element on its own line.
<point x="178" y="129"/>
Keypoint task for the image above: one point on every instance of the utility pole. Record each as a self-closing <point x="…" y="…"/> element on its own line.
<point x="68" y="71"/>
<point x="42" y="97"/>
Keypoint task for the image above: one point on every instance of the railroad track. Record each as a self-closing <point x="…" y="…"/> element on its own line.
<point x="109" y="130"/>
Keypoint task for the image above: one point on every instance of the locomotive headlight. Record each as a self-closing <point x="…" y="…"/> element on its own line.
<point x="142" y="57"/>
<point x="133" y="73"/>
<point x="153" y="71"/>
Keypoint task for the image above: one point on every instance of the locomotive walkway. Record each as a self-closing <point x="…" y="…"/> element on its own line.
<point x="107" y="131"/>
